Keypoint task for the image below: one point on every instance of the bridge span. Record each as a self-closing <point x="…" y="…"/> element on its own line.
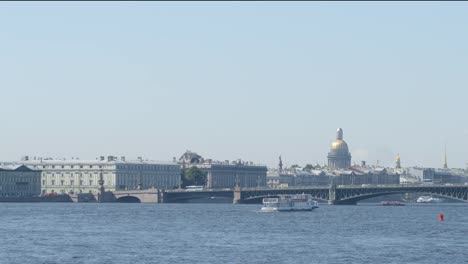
<point x="122" y="196"/>
<point x="341" y="194"/>
<point x="333" y="194"/>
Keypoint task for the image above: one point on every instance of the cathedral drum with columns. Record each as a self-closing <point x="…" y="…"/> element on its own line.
<point x="339" y="156"/>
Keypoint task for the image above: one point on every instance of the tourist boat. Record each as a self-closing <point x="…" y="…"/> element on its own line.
<point x="286" y="203"/>
<point x="194" y="188"/>
<point x="391" y="203"/>
<point x="428" y="199"/>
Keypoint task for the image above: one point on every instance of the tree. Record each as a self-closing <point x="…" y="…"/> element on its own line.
<point x="308" y="167"/>
<point x="193" y="176"/>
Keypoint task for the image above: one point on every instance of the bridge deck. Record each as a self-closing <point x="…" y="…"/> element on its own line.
<point x="335" y="194"/>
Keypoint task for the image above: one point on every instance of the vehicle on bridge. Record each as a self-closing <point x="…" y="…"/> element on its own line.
<point x="428" y="199"/>
<point x="287" y="203"/>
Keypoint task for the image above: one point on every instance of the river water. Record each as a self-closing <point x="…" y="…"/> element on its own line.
<point x="226" y="233"/>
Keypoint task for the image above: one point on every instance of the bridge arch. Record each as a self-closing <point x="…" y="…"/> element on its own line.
<point x="128" y="199"/>
<point x="186" y="199"/>
<point x="357" y="198"/>
<point x="198" y="196"/>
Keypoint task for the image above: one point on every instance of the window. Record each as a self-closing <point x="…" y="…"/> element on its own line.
<point x="81" y="182"/>
<point x="43" y="182"/>
<point x="90" y="166"/>
<point x="53" y="182"/>
<point x="62" y="182"/>
<point x="71" y="182"/>
<point x="90" y="182"/>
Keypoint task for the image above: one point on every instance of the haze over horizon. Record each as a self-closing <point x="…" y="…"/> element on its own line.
<point x="233" y="80"/>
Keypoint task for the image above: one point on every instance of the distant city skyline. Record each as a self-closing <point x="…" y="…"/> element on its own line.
<point x="233" y="80"/>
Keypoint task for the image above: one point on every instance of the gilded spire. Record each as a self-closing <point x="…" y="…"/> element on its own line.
<point x="398" y="162"/>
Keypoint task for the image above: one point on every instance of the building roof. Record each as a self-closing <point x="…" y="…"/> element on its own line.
<point x="339" y="146"/>
<point x="96" y="162"/>
<point x="14" y="167"/>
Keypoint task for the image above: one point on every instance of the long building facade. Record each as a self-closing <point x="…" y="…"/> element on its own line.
<point x="230" y="175"/>
<point x="226" y="174"/>
<point x="19" y="181"/>
<point x="83" y="176"/>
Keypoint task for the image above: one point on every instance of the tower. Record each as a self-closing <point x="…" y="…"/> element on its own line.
<point x="102" y="191"/>
<point x="398" y="162"/>
<point x="445" y="158"/>
<point x="280" y="165"/>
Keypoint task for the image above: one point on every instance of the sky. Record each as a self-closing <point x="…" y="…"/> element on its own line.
<point x="229" y="80"/>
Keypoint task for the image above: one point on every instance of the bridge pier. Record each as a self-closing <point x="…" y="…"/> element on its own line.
<point x="237" y="195"/>
<point x="159" y="196"/>
<point x="332" y="194"/>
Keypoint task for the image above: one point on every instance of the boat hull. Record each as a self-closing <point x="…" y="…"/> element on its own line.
<point x="392" y="203"/>
<point x="272" y="209"/>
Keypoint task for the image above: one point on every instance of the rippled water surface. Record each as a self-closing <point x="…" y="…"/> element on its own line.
<point x="225" y="233"/>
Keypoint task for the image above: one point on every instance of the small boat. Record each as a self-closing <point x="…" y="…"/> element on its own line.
<point x="428" y="199"/>
<point x="391" y="203"/>
<point x="287" y="203"/>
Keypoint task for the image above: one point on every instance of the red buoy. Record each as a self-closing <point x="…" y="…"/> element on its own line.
<point x="441" y="217"/>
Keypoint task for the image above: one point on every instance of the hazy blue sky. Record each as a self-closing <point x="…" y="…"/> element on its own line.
<point x="235" y="80"/>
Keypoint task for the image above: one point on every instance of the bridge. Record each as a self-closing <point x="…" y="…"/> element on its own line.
<point x="132" y="196"/>
<point x="341" y="194"/>
<point x="122" y="196"/>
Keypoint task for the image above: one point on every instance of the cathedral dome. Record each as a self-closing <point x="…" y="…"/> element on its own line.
<point x="339" y="156"/>
<point x="339" y="146"/>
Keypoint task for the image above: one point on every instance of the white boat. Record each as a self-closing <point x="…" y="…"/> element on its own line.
<point x="428" y="199"/>
<point x="194" y="188"/>
<point x="285" y="202"/>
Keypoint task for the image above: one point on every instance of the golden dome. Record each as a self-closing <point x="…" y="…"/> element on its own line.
<point x="339" y="145"/>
